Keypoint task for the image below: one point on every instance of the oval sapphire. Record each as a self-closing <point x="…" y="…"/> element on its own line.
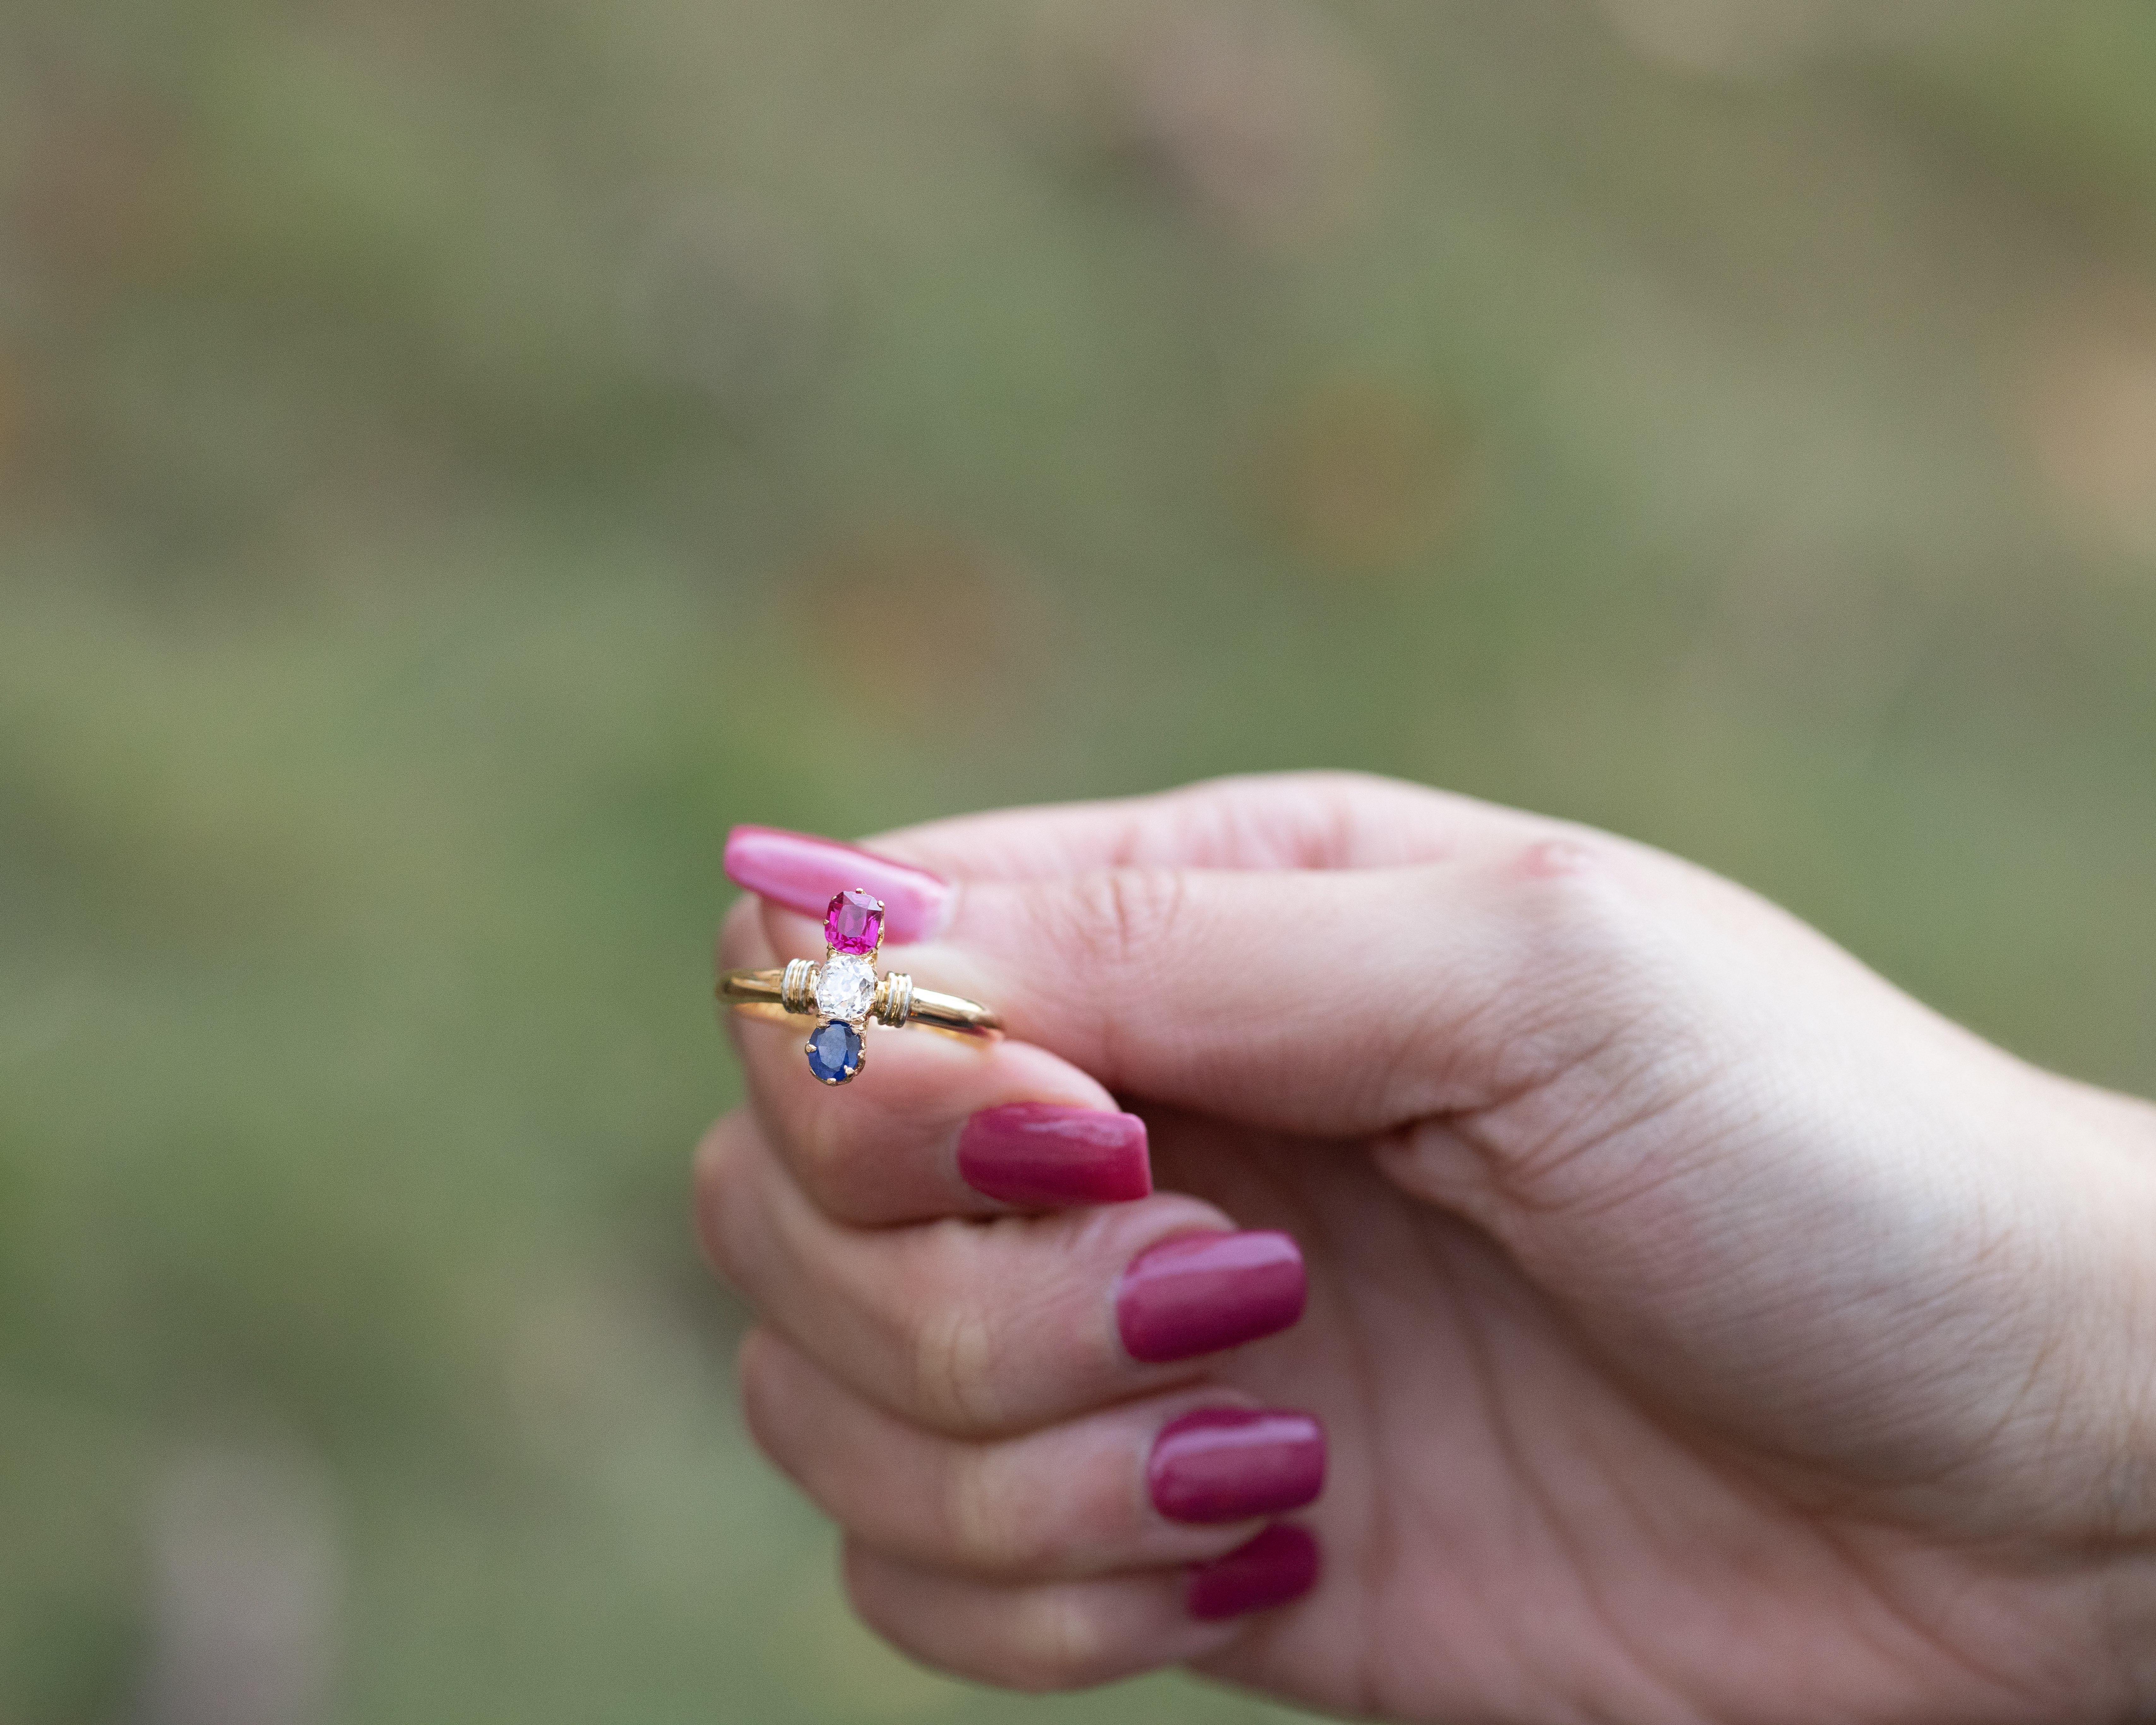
<point x="835" y="1052"/>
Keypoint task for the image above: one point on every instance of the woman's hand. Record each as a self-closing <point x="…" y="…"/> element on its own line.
<point x="1699" y="1329"/>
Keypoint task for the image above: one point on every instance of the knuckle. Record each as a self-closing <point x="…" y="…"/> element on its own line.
<point x="869" y="1594"/>
<point x="1609" y="1027"/>
<point x="1591" y="954"/>
<point x="954" y="1358"/>
<point x="1125" y="916"/>
<point x="755" y="1371"/>
<point x="1055" y="1643"/>
<point x="1572" y="901"/>
<point x="721" y="1182"/>
<point x="993" y="1523"/>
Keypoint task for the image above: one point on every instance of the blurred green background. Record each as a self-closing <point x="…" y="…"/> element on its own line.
<point x="457" y="456"/>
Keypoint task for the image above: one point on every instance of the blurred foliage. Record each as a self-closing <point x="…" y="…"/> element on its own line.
<point x="457" y="456"/>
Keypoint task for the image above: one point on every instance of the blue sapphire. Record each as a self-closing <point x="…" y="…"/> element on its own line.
<point x="835" y="1052"/>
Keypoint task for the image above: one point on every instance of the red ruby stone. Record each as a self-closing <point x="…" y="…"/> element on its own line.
<point x="855" y="922"/>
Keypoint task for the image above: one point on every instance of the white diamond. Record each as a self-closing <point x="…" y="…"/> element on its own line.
<point x="845" y="987"/>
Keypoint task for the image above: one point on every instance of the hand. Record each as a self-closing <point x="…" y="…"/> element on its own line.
<point x="1700" y="1329"/>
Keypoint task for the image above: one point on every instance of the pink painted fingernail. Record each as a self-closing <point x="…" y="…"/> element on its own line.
<point x="1229" y="1464"/>
<point x="1280" y="1565"/>
<point x="1043" y="1156"/>
<point x="805" y="873"/>
<point x="1198" y="1293"/>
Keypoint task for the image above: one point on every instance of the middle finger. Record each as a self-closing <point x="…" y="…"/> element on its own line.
<point x="986" y="1328"/>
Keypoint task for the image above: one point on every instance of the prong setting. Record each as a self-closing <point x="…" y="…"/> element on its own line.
<point x="844" y="992"/>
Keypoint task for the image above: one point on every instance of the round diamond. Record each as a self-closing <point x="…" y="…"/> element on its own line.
<point x="845" y="987"/>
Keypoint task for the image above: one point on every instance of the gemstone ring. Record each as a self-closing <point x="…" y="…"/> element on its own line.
<point x="844" y="994"/>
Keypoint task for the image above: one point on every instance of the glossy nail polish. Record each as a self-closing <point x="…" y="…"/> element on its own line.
<point x="804" y="873"/>
<point x="1230" y="1463"/>
<point x="1280" y="1565"/>
<point x="1198" y="1293"/>
<point x="1040" y="1156"/>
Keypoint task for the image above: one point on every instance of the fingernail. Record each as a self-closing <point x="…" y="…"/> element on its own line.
<point x="1198" y="1293"/>
<point x="1042" y="1156"/>
<point x="1280" y="1564"/>
<point x="804" y="873"/>
<point x="1229" y="1464"/>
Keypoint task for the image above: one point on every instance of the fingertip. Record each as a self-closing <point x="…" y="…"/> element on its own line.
<point x="739" y="942"/>
<point x="1215" y="1464"/>
<point x="1278" y="1567"/>
<point x="1203" y="1292"/>
<point x="803" y="872"/>
<point x="1049" y="1156"/>
<point x="711" y="1168"/>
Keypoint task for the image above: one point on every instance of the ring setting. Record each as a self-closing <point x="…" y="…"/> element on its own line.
<point x="845" y="993"/>
<point x="845" y="987"/>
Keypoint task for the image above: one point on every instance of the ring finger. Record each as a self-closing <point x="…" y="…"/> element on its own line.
<point x="1169" y="1480"/>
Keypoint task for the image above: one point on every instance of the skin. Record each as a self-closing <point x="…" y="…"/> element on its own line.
<point x="1704" y="1330"/>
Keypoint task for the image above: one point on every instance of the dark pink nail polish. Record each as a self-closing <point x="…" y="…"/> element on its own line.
<point x="1041" y="1155"/>
<point x="1280" y="1564"/>
<point x="805" y="873"/>
<point x="1198" y="1293"/>
<point x="1229" y="1464"/>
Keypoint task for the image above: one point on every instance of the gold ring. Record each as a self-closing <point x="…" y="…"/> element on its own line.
<point x="845" y="993"/>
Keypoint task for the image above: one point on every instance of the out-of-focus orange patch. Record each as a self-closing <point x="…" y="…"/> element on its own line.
<point x="2090" y="418"/>
<point x="909" y="623"/>
<point x="1359" y="475"/>
<point x="105" y="193"/>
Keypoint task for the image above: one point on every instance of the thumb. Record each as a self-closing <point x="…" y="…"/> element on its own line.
<point x="1334" y="1002"/>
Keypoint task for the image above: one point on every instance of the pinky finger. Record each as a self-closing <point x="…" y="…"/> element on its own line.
<point x="1072" y="1634"/>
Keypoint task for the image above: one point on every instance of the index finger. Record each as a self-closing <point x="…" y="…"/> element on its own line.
<point x="1281" y="820"/>
<point x="1297" y="821"/>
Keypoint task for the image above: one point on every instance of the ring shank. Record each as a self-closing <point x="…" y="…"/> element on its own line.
<point x="761" y="994"/>
<point x="954" y="1014"/>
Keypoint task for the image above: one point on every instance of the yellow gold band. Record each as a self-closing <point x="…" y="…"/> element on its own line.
<point x="783" y="995"/>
